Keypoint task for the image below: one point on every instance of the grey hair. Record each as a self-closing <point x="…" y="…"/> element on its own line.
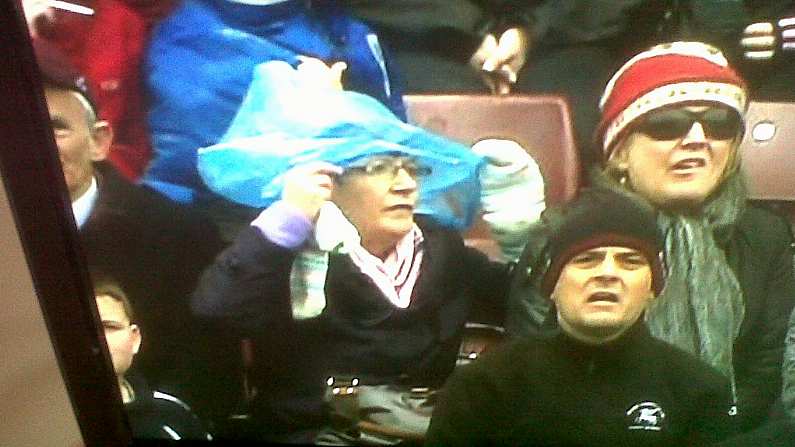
<point x="91" y="114"/>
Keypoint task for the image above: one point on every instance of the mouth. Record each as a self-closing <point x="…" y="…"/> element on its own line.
<point x="400" y="207"/>
<point x="687" y="165"/>
<point x="603" y="298"/>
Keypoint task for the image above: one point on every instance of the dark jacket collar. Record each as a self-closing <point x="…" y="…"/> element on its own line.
<point x="637" y="334"/>
<point x="143" y="393"/>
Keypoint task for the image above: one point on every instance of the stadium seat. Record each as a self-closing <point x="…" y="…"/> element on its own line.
<point x="768" y="155"/>
<point x="541" y="124"/>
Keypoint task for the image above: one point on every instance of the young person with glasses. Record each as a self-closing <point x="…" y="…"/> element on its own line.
<point x="672" y="121"/>
<point x="152" y="414"/>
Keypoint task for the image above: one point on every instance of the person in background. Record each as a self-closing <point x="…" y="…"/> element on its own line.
<point x="152" y="414"/>
<point x="768" y="51"/>
<point x="672" y="121"/>
<point x="154" y="248"/>
<point x="788" y="393"/>
<point x="105" y="40"/>
<point x="443" y="46"/>
<point x="601" y="379"/>
<point x="221" y="41"/>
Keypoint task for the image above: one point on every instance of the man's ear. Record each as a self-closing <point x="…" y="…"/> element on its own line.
<point x="102" y="135"/>
<point x="136" y="334"/>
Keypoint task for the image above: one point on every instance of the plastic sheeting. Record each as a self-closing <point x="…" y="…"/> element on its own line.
<point x="285" y="121"/>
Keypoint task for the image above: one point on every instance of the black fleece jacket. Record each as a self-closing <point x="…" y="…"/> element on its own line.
<point x="551" y="390"/>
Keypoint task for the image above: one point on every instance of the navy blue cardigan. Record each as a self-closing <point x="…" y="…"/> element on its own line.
<point x="358" y="333"/>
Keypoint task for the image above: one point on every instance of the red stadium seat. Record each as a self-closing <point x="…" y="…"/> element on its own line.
<point x="768" y="155"/>
<point x="767" y="150"/>
<point x="541" y="124"/>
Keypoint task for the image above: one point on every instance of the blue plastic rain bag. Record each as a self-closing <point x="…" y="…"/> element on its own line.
<point x="286" y="121"/>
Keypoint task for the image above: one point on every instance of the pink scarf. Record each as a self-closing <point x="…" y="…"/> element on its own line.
<point x="396" y="275"/>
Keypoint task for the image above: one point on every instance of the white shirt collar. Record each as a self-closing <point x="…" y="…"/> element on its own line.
<point x="82" y="207"/>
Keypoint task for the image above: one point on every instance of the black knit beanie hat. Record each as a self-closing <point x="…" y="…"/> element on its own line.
<point x="603" y="218"/>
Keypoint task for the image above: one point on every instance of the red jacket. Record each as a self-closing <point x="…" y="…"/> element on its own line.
<point x="108" y="48"/>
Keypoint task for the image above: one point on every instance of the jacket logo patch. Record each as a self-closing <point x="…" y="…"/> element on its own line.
<point x="646" y="416"/>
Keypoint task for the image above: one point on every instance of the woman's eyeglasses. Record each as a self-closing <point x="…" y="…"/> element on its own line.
<point x="719" y="123"/>
<point x="389" y="167"/>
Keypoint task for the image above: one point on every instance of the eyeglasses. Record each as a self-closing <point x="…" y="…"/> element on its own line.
<point x="719" y="123"/>
<point x="390" y="166"/>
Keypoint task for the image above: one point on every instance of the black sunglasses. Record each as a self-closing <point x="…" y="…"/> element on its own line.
<point x="719" y="123"/>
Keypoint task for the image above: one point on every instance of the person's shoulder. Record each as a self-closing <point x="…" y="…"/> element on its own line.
<point x="760" y="222"/>
<point x="175" y="411"/>
<point x="144" y="205"/>
<point x="175" y="418"/>
<point x="181" y="21"/>
<point x="503" y="361"/>
<point x="687" y="369"/>
<point x="433" y="230"/>
<point x="171" y="403"/>
<point x="137" y="197"/>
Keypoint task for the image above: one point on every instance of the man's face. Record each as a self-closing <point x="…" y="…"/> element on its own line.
<point x="602" y="291"/>
<point x="80" y="140"/>
<point x="682" y="158"/>
<point x="379" y="199"/>
<point x="123" y="338"/>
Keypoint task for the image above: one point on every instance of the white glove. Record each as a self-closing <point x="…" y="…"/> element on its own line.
<point x="512" y="192"/>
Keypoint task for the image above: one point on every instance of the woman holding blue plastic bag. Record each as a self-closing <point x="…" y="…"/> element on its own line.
<point x="354" y="281"/>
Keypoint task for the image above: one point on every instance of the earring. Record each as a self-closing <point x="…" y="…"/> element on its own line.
<point x="623" y="179"/>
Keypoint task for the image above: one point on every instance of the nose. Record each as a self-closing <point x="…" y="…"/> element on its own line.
<point x="695" y="136"/>
<point x="608" y="269"/>
<point x="404" y="182"/>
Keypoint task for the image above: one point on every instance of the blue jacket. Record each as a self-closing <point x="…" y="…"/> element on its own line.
<point x="200" y="63"/>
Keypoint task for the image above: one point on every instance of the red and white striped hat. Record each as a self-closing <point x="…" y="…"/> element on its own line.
<point x="666" y="74"/>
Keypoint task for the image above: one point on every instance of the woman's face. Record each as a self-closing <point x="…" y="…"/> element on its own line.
<point x="379" y="198"/>
<point x="677" y="157"/>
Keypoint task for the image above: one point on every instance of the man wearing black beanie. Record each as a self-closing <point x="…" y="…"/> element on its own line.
<point x="601" y="379"/>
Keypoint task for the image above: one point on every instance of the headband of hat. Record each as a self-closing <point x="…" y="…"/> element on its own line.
<point x="667" y="74"/>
